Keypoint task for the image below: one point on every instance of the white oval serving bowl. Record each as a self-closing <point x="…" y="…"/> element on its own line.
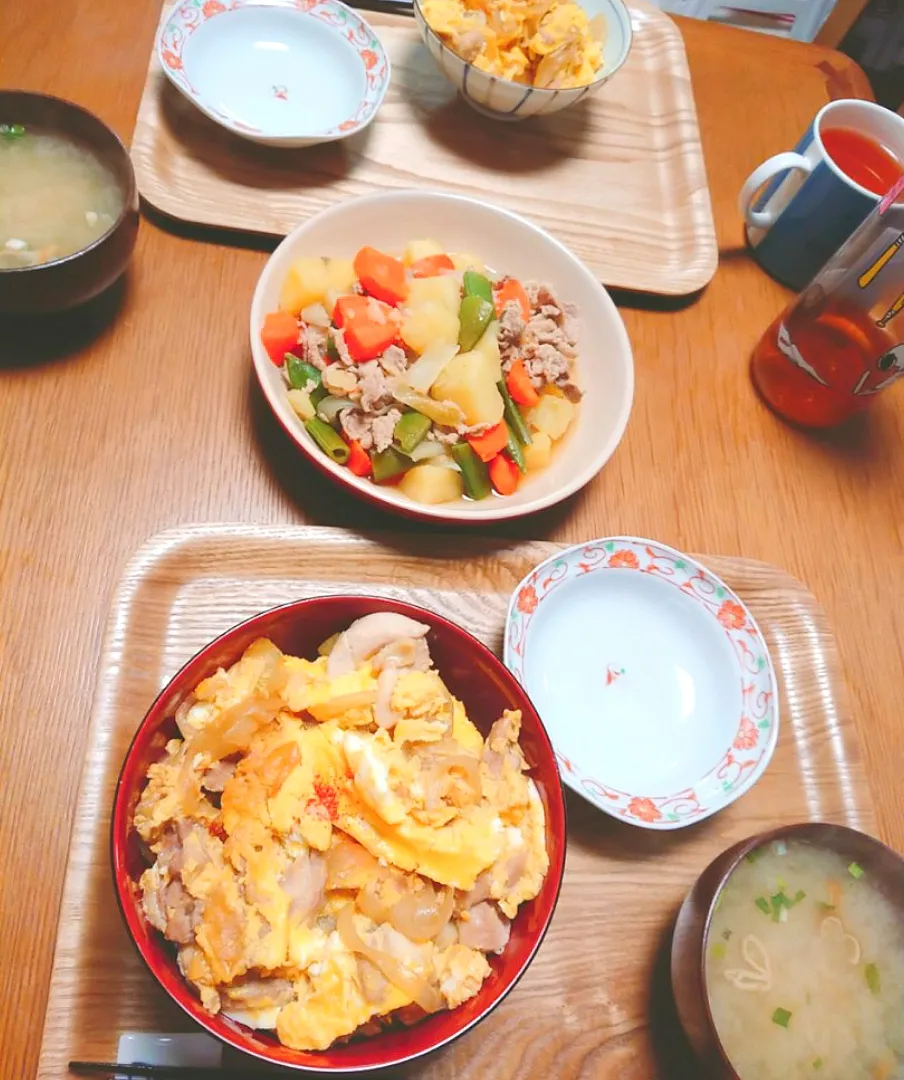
<point x="509" y="244"/>
<point x="278" y="72"/>
<point x="503" y="99"/>
<point x="651" y="677"/>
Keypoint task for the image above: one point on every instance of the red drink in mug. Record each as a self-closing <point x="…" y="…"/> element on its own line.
<point x="828" y="355"/>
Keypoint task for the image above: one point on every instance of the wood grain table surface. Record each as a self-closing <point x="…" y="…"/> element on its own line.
<point x="142" y="414"/>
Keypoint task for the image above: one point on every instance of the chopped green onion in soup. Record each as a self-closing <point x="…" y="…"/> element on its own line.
<point x="781" y="1017"/>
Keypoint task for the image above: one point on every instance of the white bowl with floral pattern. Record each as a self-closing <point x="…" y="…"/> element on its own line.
<point x="279" y="72"/>
<point x="651" y="676"/>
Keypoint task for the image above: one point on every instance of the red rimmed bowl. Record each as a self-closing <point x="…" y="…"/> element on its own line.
<point x="690" y="938"/>
<point x="473" y="674"/>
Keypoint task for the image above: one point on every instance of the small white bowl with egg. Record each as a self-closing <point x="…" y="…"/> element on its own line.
<point x="504" y="99"/>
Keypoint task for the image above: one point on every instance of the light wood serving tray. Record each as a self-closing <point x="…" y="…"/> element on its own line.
<point x="595" y="1003"/>
<point x="620" y="178"/>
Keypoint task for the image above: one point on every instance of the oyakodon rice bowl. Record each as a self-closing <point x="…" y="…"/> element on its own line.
<point x="803" y="968"/>
<point x="335" y="847"/>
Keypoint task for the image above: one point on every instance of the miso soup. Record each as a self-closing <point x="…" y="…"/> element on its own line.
<point x="805" y="969"/>
<point x="55" y="197"/>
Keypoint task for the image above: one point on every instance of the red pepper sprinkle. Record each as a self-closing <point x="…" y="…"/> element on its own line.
<point x="329" y="798"/>
<point x="216" y="828"/>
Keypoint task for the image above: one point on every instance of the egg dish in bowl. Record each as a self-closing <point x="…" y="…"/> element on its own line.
<point x="344" y="861"/>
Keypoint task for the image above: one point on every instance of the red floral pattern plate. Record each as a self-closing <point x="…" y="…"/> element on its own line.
<point x="280" y="72"/>
<point x="651" y="676"/>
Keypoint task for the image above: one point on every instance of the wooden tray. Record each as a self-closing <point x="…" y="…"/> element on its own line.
<point x="620" y="179"/>
<point x="595" y="1001"/>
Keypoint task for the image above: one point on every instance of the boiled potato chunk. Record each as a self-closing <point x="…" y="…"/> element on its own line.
<point x="552" y="415"/>
<point x="432" y="484"/>
<point x="538" y="452"/>
<point x="469" y="381"/>
<point x="340" y="275"/>
<point x="466" y="261"/>
<point x="305" y="284"/>
<point x="429" y="324"/>
<point x="444" y="290"/>
<point x="488" y="346"/>
<point x="421" y="249"/>
<point x="301" y="403"/>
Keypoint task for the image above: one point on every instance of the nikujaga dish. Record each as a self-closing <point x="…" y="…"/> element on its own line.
<point x="427" y="371"/>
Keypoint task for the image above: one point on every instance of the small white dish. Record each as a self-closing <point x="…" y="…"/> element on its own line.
<point x="651" y="677"/>
<point x="278" y="72"/>
<point x="503" y="99"/>
<point x="509" y="244"/>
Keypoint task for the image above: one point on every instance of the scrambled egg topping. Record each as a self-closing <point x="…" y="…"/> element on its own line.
<point x="334" y="842"/>
<point x="552" y="44"/>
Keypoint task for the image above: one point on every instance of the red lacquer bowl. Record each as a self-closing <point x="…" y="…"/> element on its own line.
<point x="486" y="687"/>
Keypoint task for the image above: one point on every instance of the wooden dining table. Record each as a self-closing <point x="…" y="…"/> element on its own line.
<point x="142" y="414"/>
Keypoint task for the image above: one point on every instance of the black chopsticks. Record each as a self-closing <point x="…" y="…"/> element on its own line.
<point x="388" y="7"/>
<point x="168" y="1072"/>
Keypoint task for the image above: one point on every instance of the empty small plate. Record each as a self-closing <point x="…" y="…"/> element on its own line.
<point x="651" y="676"/>
<point x="280" y="72"/>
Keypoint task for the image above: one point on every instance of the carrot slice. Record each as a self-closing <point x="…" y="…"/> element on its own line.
<point x="358" y="459"/>
<point x="512" y="289"/>
<point x="504" y="474"/>
<point x="431" y="266"/>
<point x="279" y="335"/>
<point x="381" y="275"/>
<point x="368" y="324"/>
<point x="519" y="385"/>
<point x="491" y="442"/>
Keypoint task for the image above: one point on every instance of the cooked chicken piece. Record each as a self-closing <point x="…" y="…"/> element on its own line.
<point x="367" y="636"/>
<point x="305" y="882"/>
<point x="484" y="929"/>
<point x="218" y="775"/>
<point x="259" y="993"/>
<point x="411" y="653"/>
<point x="168" y="906"/>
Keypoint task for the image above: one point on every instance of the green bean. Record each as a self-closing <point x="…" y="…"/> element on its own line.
<point x="513" y="416"/>
<point x="331" y="443"/>
<point x="389" y="463"/>
<point x="301" y="373"/>
<point x="473" y="471"/>
<point x="410" y="430"/>
<point x="475" y="315"/>
<point x="513" y="446"/>
<point x="477" y="285"/>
